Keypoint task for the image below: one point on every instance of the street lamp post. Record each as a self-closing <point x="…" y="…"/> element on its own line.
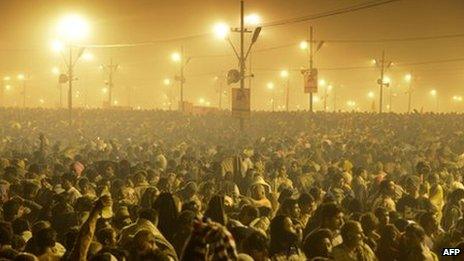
<point x="2" y="91"/>
<point x="167" y="83"/>
<point x="285" y="75"/>
<point x="271" y="87"/>
<point x="21" y="77"/>
<point x="179" y="58"/>
<point x="383" y="64"/>
<point x="71" y="28"/>
<point x="408" y="78"/>
<point x="434" y="94"/>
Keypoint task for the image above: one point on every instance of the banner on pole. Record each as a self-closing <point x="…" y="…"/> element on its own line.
<point x="240" y="102"/>
<point x="310" y="81"/>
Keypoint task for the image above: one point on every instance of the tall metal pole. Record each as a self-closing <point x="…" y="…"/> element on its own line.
<point x="242" y="57"/>
<point x="409" y="97"/>
<point x="382" y="71"/>
<point x="2" y="94"/>
<point x="335" y="100"/>
<point x="182" y="61"/>
<point x="220" y="94"/>
<point x="61" y="95"/>
<point x="325" y="99"/>
<point x="24" y="93"/>
<point x="70" y="80"/>
<point x="390" y="98"/>
<point x="311" y="54"/>
<point x="110" y="84"/>
<point x="273" y="100"/>
<point x="287" y="98"/>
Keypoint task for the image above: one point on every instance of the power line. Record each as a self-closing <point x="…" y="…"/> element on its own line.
<point x="406" y="39"/>
<point x="344" y="10"/>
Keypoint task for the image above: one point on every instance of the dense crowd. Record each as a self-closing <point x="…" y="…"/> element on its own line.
<point x="158" y="185"/>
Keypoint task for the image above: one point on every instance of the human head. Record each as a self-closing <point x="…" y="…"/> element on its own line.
<point x="256" y="245"/>
<point x="306" y="203"/>
<point x="247" y="214"/>
<point x="352" y="234"/>
<point x="6" y="233"/>
<point x="369" y="222"/>
<point x="387" y="188"/>
<point x="149" y="214"/>
<point x="382" y="215"/>
<point x="290" y="208"/>
<point x="258" y="192"/>
<point x="414" y="235"/>
<point x="215" y="210"/>
<point x="318" y="244"/>
<point x="332" y="216"/>
<point x="46" y="238"/>
<point x="143" y="242"/>
<point x="12" y="209"/>
<point x="389" y="233"/>
<point x="106" y="236"/>
<point x="429" y="223"/>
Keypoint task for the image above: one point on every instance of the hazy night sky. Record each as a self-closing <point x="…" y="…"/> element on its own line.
<point x="27" y="29"/>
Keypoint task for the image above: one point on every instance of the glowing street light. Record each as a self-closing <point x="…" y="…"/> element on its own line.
<point x="6" y="78"/>
<point x="105" y="90"/>
<point x="176" y="57"/>
<point x="386" y="80"/>
<point x="57" y="46"/>
<point x="433" y="92"/>
<point x="7" y="87"/>
<point x="351" y="103"/>
<point x="370" y="95"/>
<point x="304" y="45"/>
<point x="167" y="81"/>
<point x="55" y="71"/>
<point x="21" y="77"/>
<point x="322" y="82"/>
<point x="73" y="27"/>
<point x="408" y="77"/>
<point x="457" y="98"/>
<point x="252" y="19"/>
<point x="221" y="30"/>
<point x="284" y="73"/>
<point x="87" y="56"/>
<point x="201" y="101"/>
<point x="270" y="86"/>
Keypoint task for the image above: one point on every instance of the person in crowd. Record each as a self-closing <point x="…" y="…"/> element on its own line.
<point x="285" y="239"/>
<point x="318" y="245"/>
<point x="353" y="246"/>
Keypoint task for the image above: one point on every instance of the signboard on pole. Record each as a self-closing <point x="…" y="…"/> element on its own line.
<point x="310" y="81"/>
<point x="240" y="102"/>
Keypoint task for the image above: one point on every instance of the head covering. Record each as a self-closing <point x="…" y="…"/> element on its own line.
<point x="260" y="181"/>
<point x="220" y="241"/>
